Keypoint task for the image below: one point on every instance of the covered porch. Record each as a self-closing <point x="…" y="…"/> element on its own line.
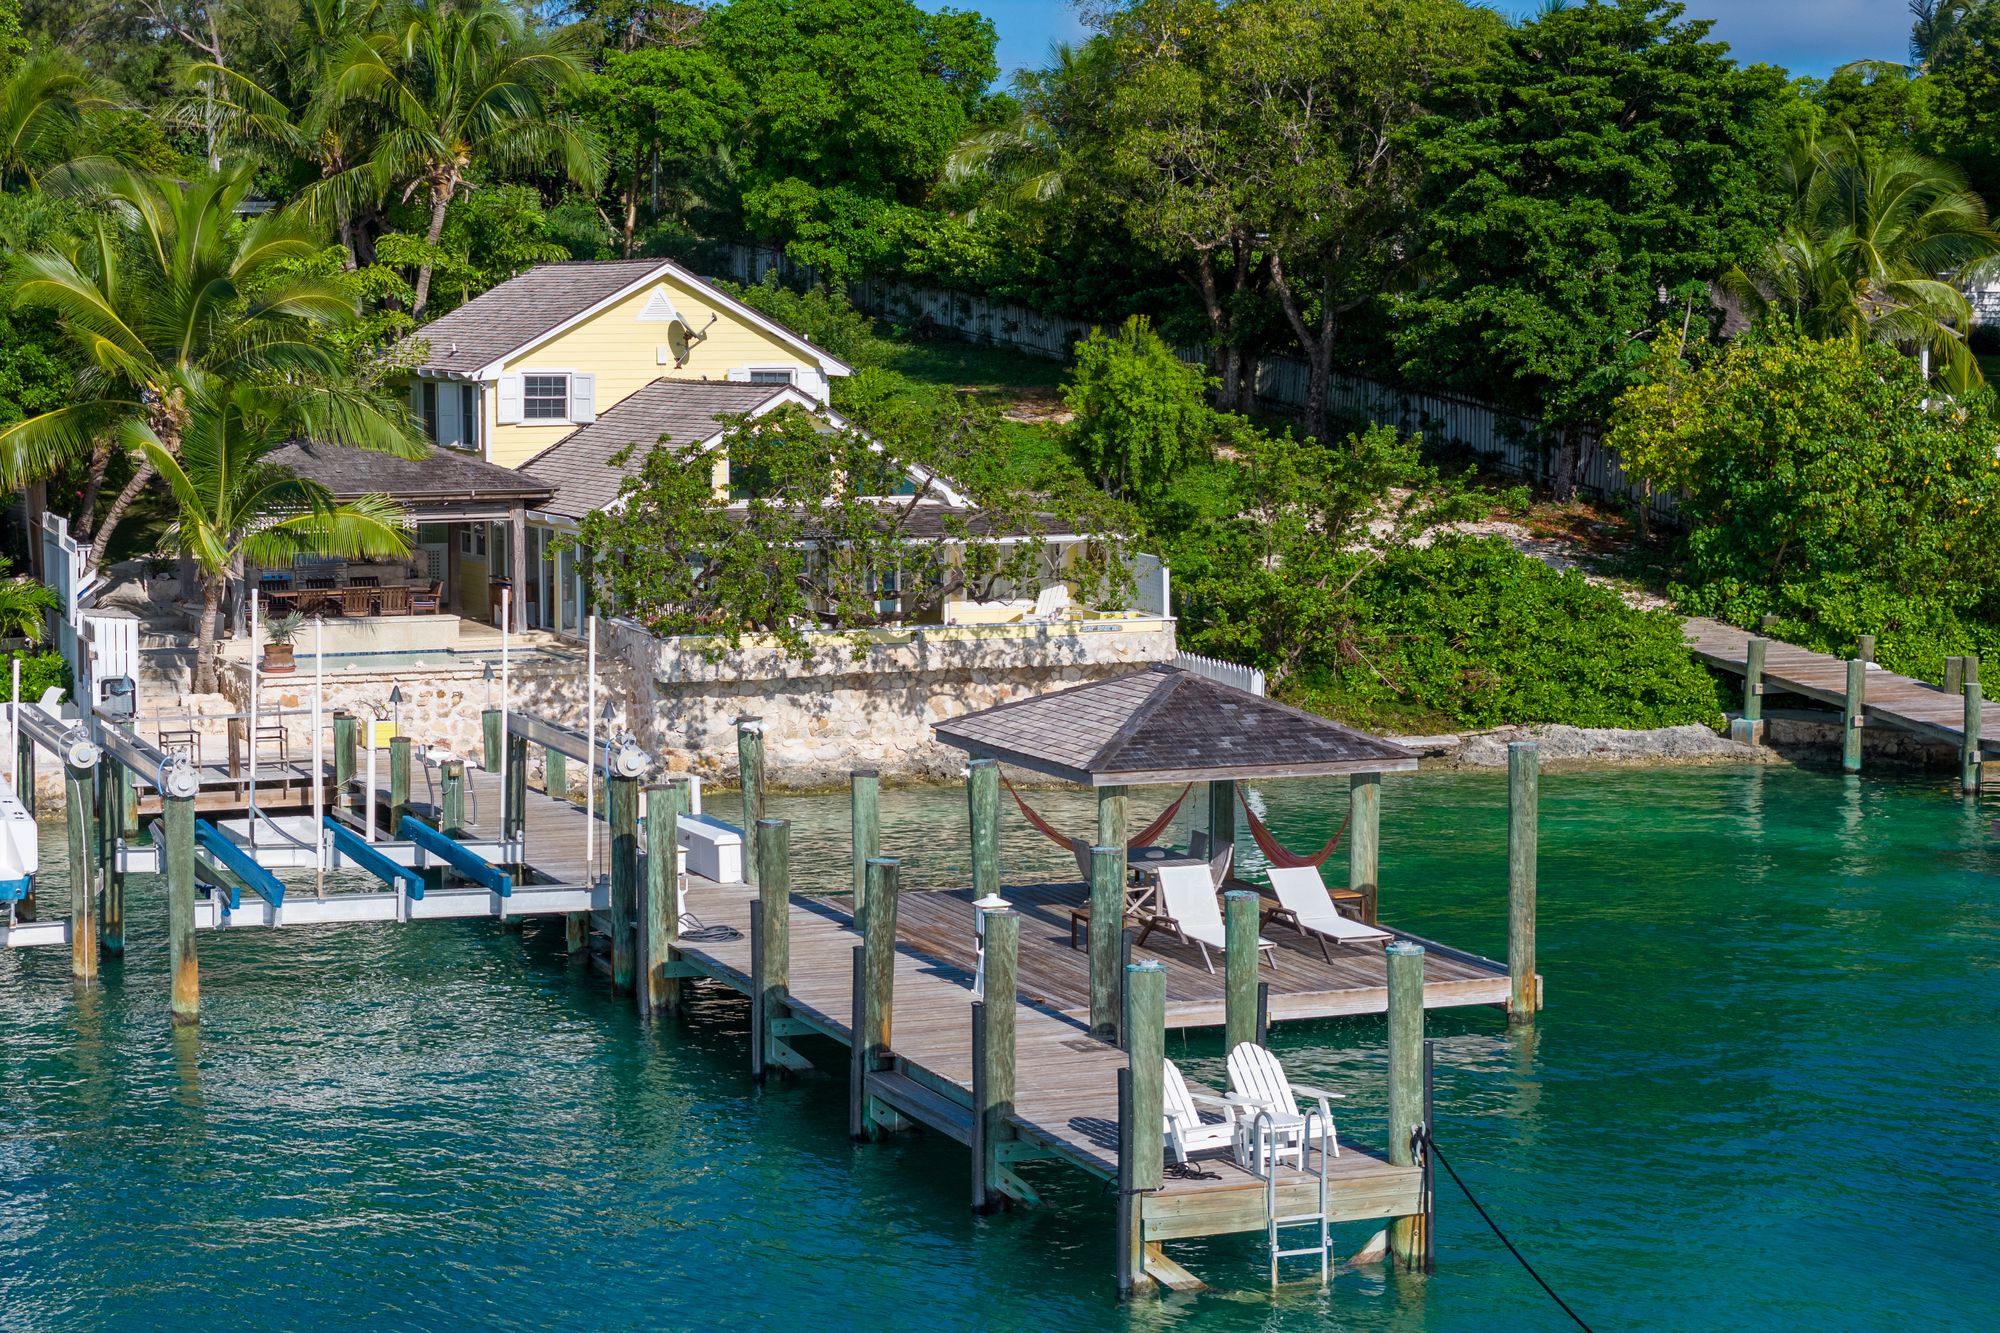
<point x="469" y="553"/>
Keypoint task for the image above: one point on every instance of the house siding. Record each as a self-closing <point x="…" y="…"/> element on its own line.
<point x="622" y="352"/>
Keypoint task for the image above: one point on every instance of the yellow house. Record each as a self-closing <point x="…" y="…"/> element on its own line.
<point x="528" y="364"/>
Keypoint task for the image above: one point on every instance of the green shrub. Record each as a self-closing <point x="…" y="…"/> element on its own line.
<point x="1472" y="632"/>
<point x="39" y="670"/>
<point x="823" y="314"/>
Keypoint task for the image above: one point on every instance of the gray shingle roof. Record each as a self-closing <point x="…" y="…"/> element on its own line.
<point x="682" y="412"/>
<point x="442" y="474"/>
<point x="522" y="309"/>
<point x="1164" y="724"/>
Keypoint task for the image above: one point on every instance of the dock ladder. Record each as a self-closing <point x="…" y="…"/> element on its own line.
<point x="1268" y="1140"/>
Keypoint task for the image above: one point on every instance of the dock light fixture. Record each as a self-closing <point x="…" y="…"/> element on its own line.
<point x="489" y="684"/>
<point x="981" y="907"/>
<point x="396" y="708"/>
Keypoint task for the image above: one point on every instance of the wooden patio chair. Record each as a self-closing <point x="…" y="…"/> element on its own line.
<point x="1187" y="1132"/>
<point x="1188" y="911"/>
<point x="425" y="601"/>
<point x="395" y="601"/>
<point x="356" y="601"/>
<point x="1257" y="1083"/>
<point x="1306" y="906"/>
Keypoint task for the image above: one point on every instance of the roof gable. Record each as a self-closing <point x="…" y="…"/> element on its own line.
<point x="1164" y="724"/>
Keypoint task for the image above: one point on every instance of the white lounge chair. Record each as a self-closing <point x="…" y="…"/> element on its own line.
<point x="1306" y="906"/>
<point x="1218" y="867"/>
<point x="1257" y="1083"/>
<point x="1187" y="909"/>
<point x="1187" y="1132"/>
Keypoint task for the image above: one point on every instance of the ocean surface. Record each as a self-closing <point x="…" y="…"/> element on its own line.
<point x="1765" y="1094"/>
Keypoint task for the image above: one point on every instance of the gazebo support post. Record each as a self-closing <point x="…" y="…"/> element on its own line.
<point x="1112" y="810"/>
<point x="1221" y="816"/>
<point x="1364" y="840"/>
<point x="982" y="799"/>
<point x="1107" y="939"/>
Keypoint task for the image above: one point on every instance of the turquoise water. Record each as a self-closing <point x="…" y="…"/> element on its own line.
<point x="1763" y="1096"/>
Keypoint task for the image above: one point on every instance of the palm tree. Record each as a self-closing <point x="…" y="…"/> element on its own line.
<point x="300" y="113"/>
<point x="1873" y="248"/>
<point x="465" y="88"/>
<point x="43" y="102"/>
<point x="24" y="607"/>
<point x="233" y="506"/>
<point x="170" y="307"/>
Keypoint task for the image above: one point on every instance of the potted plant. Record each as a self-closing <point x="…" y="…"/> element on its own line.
<point x="280" y="630"/>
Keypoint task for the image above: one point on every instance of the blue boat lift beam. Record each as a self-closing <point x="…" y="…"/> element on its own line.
<point x="352" y="846"/>
<point x="456" y="855"/>
<point x="239" y="862"/>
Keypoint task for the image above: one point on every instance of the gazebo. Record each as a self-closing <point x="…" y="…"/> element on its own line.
<point x="1168" y="726"/>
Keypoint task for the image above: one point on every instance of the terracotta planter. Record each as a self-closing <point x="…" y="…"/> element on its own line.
<point x="278" y="660"/>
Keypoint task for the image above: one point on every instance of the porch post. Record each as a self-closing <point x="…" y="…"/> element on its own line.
<point x="517" y="565"/>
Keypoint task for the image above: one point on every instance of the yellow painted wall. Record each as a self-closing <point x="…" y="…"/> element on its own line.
<point x="622" y="351"/>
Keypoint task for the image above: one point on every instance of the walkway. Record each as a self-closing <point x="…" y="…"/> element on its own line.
<point x="1889" y="700"/>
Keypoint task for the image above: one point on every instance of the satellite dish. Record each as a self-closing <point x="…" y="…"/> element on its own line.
<point x="680" y="339"/>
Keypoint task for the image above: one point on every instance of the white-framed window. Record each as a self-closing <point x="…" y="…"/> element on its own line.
<point x="545" y="398"/>
<point x="772" y="375"/>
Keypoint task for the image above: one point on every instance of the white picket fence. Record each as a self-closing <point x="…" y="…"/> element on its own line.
<point x="1233" y="674"/>
<point x="1505" y="442"/>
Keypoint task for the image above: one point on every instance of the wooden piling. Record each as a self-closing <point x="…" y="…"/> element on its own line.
<point x="80" y="787"/>
<point x="1143" y="1140"/>
<point x="661" y="919"/>
<point x="1107" y="938"/>
<point x="451" y="798"/>
<point x="1747" y="727"/>
<point x="346" y="755"/>
<point x="1113" y="809"/>
<point x="182" y="965"/>
<point x="1241" y="911"/>
<point x="1954" y="675"/>
<point x="624" y="819"/>
<point x="1853" y="701"/>
<point x="773" y="938"/>
<point x="555" y="774"/>
<point x="110" y="830"/>
<point x="1865" y="648"/>
<point x="1263" y="1013"/>
<point x="1364" y="840"/>
<point x="1972" y="668"/>
<point x="514" y="799"/>
<point x="982" y="799"/>
<point x="1406" y="1078"/>
<point x="399" y="781"/>
<point x="878" y="948"/>
<point x="993" y="1066"/>
<point x="750" y="768"/>
<point x="1523" y="836"/>
<point x="576" y="931"/>
<point x="865" y="808"/>
<point x="489" y="731"/>
<point x="1968" y="753"/>
<point x="24" y="771"/>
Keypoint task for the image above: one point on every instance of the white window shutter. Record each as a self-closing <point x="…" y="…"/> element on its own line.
<point x="447" y="422"/>
<point x="740" y="375"/>
<point x="583" y="398"/>
<point x="510" y="401"/>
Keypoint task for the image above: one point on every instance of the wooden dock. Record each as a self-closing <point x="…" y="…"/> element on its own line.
<point x="1888" y="699"/>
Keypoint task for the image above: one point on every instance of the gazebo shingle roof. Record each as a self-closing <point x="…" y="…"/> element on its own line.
<point x="1164" y="724"/>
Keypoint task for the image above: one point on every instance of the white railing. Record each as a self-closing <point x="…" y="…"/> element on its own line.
<point x="1233" y="674"/>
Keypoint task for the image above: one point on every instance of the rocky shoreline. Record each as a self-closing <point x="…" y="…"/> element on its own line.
<point x="1789" y="735"/>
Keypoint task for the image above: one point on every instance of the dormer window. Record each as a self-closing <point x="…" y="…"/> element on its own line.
<point x="772" y="375"/>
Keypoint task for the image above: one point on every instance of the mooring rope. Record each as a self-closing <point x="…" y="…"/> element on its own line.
<point x="1430" y="1145"/>
<point x="693" y="932"/>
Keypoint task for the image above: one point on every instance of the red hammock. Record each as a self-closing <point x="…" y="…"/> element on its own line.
<point x="1142" y="838"/>
<point x="1277" y="855"/>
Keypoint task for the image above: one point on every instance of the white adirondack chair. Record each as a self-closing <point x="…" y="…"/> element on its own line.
<point x="1306" y="906"/>
<point x="1189" y="911"/>
<point x="1257" y="1083"/>
<point x="1187" y="1132"/>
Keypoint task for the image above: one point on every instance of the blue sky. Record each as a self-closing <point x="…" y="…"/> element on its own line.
<point x="1804" y="36"/>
